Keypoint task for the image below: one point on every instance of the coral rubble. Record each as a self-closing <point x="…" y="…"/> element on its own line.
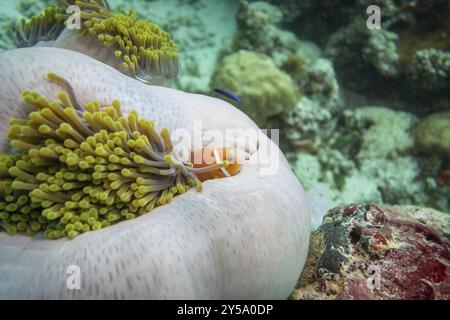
<point x="369" y="252"/>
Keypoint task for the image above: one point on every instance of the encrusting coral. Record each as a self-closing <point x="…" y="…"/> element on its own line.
<point x="134" y="46"/>
<point x="82" y="169"/>
<point x="430" y="70"/>
<point x="380" y="51"/>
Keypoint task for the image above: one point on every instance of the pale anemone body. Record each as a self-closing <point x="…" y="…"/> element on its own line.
<point x="244" y="237"/>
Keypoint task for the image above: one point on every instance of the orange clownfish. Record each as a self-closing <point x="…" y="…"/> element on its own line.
<point x="205" y="157"/>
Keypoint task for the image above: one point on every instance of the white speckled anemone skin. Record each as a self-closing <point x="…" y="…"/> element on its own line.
<point x="244" y="237"/>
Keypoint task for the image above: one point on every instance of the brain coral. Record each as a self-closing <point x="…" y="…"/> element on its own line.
<point x="432" y="134"/>
<point x="264" y="90"/>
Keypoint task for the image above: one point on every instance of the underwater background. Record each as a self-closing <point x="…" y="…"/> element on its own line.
<point x="363" y="112"/>
<point x="360" y="93"/>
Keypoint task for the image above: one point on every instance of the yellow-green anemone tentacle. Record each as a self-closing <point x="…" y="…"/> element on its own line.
<point x="142" y="48"/>
<point x="82" y="170"/>
<point x="42" y="27"/>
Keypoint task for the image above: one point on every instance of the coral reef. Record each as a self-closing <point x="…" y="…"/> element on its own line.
<point x="365" y="155"/>
<point x="407" y="59"/>
<point x="305" y="125"/>
<point x="368" y="252"/>
<point x="314" y="20"/>
<point x="430" y="70"/>
<point x="294" y="65"/>
<point x="264" y="90"/>
<point x="319" y="83"/>
<point x="432" y="134"/>
<point x="396" y="180"/>
<point x="307" y="168"/>
<point x="291" y="9"/>
<point x="377" y="55"/>
<point x="381" y="52"/>
<point x="359" y="187"/>
<point x="387" y="133"/>
<point x="258" y="31"/>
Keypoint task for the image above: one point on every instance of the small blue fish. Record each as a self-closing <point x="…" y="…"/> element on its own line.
<point x="228" y="94"/>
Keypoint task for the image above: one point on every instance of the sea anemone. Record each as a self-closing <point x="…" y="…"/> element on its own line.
<point x="85" y="168"/>
<point x="41" y="28"/>
<point x="136" y="47"/>
<point x="244" y="236"/>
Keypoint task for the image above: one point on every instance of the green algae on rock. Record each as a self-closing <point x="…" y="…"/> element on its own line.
<point x="81" y="169"/>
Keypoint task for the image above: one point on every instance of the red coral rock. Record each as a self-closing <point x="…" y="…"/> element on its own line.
<point x="366" y="252"/>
